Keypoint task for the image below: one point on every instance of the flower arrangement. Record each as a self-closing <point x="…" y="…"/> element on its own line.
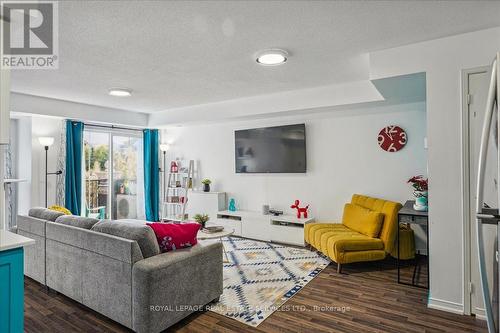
<point x="420" y="186"/>
<point x="201" y="219"/>
<point x="419" y="183"/>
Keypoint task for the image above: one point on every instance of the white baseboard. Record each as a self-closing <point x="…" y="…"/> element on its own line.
<point x="447" y="306"/>
<point x="481" y="316"/>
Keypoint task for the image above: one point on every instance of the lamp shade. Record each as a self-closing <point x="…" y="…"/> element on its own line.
<point x="164" y="146"/>
<point x="46" y="141"/>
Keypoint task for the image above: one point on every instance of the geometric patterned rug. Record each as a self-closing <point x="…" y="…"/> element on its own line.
<point x="263" y="276"/>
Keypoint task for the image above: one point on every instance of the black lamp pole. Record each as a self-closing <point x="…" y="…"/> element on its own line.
<point x="47" y="173"/>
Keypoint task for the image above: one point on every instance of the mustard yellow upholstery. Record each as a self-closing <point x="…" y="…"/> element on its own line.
<point x="363" y="220"/>
<point x="406" y="243"/>
<point x="60" y="209"/>
<point x="345" y="245"/>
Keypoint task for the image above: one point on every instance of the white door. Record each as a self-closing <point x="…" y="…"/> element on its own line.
<point x="478" y="83"/>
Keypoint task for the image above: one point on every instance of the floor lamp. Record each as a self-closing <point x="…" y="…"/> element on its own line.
<point x="164" y="147"/>
<point x="47" y="141"/>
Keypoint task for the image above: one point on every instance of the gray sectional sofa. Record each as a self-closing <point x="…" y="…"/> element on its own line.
<point x="116" y="268"/>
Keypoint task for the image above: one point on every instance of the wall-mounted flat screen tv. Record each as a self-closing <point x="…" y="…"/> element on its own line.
<point x="280" y="149"/>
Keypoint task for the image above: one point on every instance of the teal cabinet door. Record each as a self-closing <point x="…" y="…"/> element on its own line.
<point x="11" y="291"/>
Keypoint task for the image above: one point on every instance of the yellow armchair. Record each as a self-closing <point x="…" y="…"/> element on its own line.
<point x="341" y="243"/>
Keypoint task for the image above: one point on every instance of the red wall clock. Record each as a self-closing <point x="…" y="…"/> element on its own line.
<point x="392" y="138"/>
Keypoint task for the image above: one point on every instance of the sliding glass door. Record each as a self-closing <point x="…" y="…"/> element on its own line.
<point x="128" y="186"/>
<point x="113" y="174"/>
<point x="97" y="174"/>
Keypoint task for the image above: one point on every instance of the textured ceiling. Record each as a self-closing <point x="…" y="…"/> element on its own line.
<point x="181" y="53"/>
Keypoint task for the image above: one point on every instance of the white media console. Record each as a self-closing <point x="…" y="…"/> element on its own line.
<point x="286" y="229"/>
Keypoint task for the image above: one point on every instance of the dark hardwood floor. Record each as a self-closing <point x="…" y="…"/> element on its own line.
<point x="364" y="298"/>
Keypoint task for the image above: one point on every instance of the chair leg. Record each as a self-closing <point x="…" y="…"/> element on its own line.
<point x="339" y="268"/>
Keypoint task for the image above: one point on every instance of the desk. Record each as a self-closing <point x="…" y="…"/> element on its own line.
<point x="411" y="216"/>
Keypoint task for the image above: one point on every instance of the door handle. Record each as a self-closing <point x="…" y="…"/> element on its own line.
<point x="488" y="219"/>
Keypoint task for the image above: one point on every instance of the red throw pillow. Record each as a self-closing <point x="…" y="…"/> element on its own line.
<point x="172" y="236"/>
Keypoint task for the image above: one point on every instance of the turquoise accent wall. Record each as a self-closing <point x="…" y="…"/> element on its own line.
<point x="11" y="291"/>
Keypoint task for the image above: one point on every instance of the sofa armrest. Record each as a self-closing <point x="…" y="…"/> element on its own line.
<point x="32" y="225"/>
<point x="169" y="286"/>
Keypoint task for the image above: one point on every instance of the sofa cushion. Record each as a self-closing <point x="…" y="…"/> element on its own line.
<point x="61" y="209"/>
<point x="172" y="236"/>
<point x="362" y="220"/>
<point x="44" y="214"/>
<point x="77" y="221"/>
<point x="352" y="242"/>
<point x="141" y="233"/>
<point x="390" y="210"/>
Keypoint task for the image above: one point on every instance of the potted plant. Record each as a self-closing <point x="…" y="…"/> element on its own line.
<point x="206" y="184"/>
<point x="420" y="191"/>
<point x="201" y="219"/>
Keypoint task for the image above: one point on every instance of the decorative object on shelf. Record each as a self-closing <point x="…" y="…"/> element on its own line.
<point x="392" y="138"/>
<point x="421" y="187"/>
<point x="201" y="219"/>
<point x="265" y="209"/>
<point x="232" y="205"/>
<point x="275" y="212"/>
<point x="300" y="210"/>
<point x="174" y="168"/>
<point x="47" y="142"/>
<point x="206" y="184"/>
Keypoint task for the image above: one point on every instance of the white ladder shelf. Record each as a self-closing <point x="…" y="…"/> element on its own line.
<point x="176" y="194"/>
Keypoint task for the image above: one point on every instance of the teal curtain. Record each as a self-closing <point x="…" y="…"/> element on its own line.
<point x="73" y="180"/>
<point x="151" y="174"/>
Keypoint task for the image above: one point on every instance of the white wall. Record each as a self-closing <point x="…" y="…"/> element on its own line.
<point x="442" y="60"/>
<point x="24" y="139"/>
<point x="343" y="158"/>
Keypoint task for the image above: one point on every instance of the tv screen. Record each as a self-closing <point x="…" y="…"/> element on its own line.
<point x="280" y="149"/>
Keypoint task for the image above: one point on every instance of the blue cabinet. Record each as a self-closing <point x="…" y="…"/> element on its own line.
<point x="11" y="291"/>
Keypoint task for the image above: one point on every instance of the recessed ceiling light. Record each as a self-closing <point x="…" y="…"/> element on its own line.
<point x="120" y="92"/>
<point x="272" y="57"/>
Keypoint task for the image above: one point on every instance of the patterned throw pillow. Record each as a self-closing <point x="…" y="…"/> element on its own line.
<point x="63" y="210"/>
<point x="175" y="236"/>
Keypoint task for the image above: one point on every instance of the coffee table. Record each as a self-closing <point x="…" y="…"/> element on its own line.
<point x="214" y="235"/>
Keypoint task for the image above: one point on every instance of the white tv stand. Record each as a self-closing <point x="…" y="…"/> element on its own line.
<point x="286" y="229"/>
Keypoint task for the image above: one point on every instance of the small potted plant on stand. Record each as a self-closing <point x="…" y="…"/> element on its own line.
<point x="421" y="187"/>
<point x="206" y="184"/>
<point x="201" y="219"/>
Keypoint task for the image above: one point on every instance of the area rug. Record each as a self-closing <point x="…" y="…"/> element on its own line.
<point x="262" y="277"/>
